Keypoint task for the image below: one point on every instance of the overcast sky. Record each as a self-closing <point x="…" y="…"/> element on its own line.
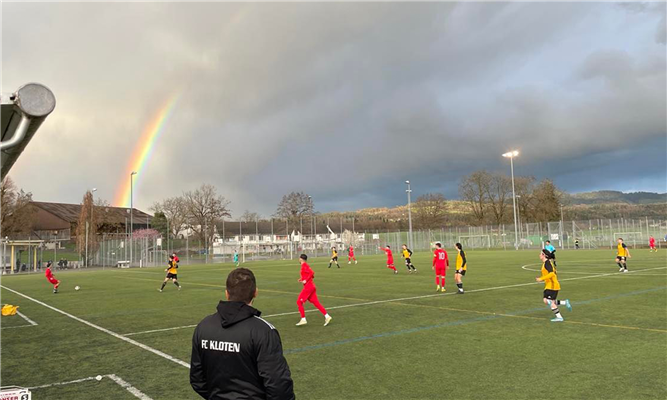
<point x="343" y="101"/>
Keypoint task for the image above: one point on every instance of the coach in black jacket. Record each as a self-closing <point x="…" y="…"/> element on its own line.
<point x="236" y="354"/>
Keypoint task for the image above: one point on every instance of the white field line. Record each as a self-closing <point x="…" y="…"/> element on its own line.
<point x="122" y="383"/>
<point x="31" y="322"/>
<point x="406" y="298"/>
<point x="136" y="392"/>
<point x="107" y="331"/>
<point x="90" y="378"/>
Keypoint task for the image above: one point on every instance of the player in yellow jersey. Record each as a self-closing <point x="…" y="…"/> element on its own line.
<point x="622" y="254"/>
<point x="461" y="267"/>
<point x="407" y="254"/>
<point x="551" y="285"/>
<point x="172" y="273"/>
<point x="334" y="257"/>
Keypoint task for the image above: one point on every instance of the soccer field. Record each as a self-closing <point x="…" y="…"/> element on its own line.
<point x="392" y="336"/>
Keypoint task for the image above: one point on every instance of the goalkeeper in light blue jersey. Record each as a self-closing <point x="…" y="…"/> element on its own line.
<point x="236" y="257"/>
<point x="551" y="249"/>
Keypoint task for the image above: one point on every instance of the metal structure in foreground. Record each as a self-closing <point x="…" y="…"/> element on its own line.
<point x="22" y="113"/>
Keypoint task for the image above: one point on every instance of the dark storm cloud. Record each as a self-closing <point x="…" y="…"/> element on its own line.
<point x="344" y="101"/>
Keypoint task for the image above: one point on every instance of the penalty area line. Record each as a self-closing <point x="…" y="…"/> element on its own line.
<point x="105" y="330"/>
<point x="118" y="380"/>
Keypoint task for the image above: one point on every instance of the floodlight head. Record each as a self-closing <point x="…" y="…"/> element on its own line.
<point x="407" y="182"/>
<point x="22" y="114"/>
<point x="94" y="190"/>
<point x="133" y="173"/>
<point x="511" y="154"/>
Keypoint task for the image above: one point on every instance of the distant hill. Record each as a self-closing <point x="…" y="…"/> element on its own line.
<point x="612" y="196"/>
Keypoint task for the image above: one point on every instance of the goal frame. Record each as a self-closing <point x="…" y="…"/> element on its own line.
<point x="627" y="238"/>
<point x="488" y="240"/>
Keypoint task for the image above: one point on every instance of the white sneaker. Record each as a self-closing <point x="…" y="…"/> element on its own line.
<point x="349" y="262"/>
<point x="327" y="320"/>
<point x="625" y="270"/>
<point x="620" y="269"/>
<point x="302" y="322"/>
<point x="355" y="262"/>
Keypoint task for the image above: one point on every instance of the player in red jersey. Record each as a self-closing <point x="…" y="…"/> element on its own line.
<point x="390" y="258"/>
<point x="651" y="244"/>
<point x="440" y="264"/>
<point x="350" y="255"/>
<point x="176" y="259"/>
<point x="309" y="292"/>
<point x="52" y="279"/>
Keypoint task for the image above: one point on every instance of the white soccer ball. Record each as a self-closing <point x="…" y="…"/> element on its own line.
<point x="77" y="287"/>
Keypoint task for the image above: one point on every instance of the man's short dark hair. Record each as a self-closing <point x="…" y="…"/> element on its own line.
<point x="303" y="257"/>
<point x="241" y="285"/>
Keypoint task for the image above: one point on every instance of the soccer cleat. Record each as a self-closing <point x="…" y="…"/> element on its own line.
<point x="557" y="319"/>
<point x="443" y="290"/>
<point x="349" y="262"/>
<point x="179" y="287"/>
<point x="395" y="272"/>
<point x="302" y="322"/>
<point x="159" y="290"/>
<point x="620" y="269"/>
<point x="568" y="305"/>
<point x="460" y="291"/>
<point x="437" y="288"/>
<point x="327" y="320"/>
<point x="355" y="262"/>
<point x="625" y="270"/>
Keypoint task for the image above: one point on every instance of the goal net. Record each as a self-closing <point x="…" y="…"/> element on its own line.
<point x="630" y="238"/>
<point x="475" y="241"/>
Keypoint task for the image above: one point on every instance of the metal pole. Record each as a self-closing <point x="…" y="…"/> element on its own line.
<point x="92" y="214"/>
<point x="409" y="191"/>
<point x="516" y="227"/>
<point x="131" y="213"/>
<point x="85" y="262"/>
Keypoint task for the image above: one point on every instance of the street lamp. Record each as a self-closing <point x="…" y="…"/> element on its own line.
<point x="511" y="155"/>
<point x="409" y="191"/>
<point x="131" y="212"/>
<point x="92" y="210"/>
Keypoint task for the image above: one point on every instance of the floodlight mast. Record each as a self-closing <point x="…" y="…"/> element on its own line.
<point x="131" y="212"/>
<point x="511" y="155"/>
<point x="409" y="191"/>
<point x="22" y="114"/>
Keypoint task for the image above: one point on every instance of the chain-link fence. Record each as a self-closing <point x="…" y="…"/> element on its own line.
<point x="118" y="250"/>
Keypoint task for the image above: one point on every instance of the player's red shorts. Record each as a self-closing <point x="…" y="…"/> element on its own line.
<point x="53" y="281"/>
<point x="306" y="292"/>
<point x="441" y="271"/>
<point x="390" y="261"/>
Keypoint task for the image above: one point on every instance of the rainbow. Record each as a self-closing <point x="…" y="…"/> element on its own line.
<point x="142" y="151"/>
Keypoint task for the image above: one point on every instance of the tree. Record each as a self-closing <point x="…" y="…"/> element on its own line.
<point x="546" y="202"/>
<point x="430" y="209"/>
<point x="174" y="209"/>
<point x="160" y="224"/>
<point x="204" y="207"/>
<point x="473" y="190"/>
<point x="498" y="189"/>
<point x="16" y="217"/>
<point x="250" y="216"/>
<point x="86" y="228"/>
<point x="295" y="205"/>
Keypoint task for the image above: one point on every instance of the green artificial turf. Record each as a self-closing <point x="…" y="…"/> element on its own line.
<point x="494" y="342"/>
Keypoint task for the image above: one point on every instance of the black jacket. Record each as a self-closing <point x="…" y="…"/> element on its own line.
<point x="237" y="355"/>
